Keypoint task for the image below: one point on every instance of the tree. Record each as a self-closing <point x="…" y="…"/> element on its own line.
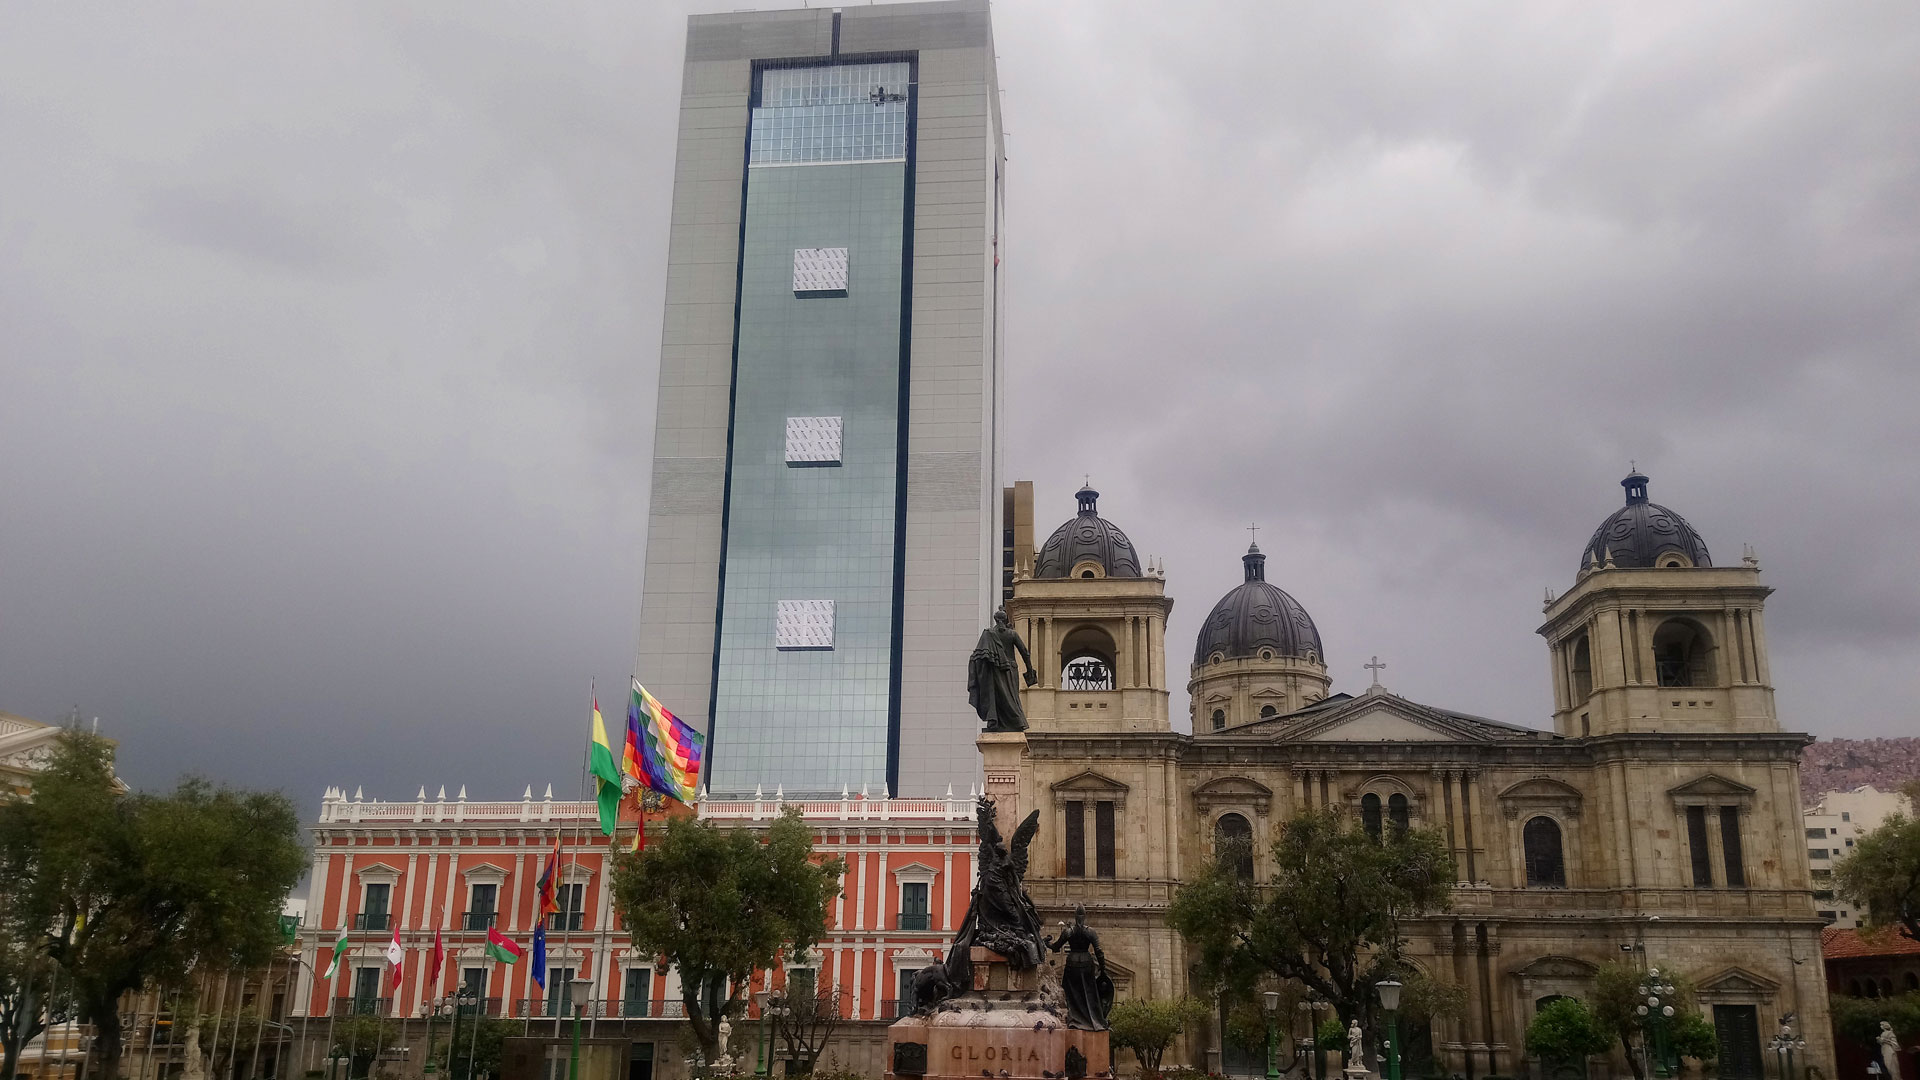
<point x="359" y="1039"/>
<point x="1566" y="1030"/>
<point x="1858" y="1019"/>
<point x="119" y="890"/>
<point x="25" y="988"/>
<point x="1882" y="876"/>
<point x="1694" y="1037"/>
<point x="720" y="904"/>
<point x="810" y="1016"/>
<point x="1329" y="918"/>
<point x="1616" y="1003"/>
<point x="1148" y="1026"/>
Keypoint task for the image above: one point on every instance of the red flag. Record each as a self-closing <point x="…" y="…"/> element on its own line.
<point x="396" y="956"/>
<point x="434" y="960"/>
<point x="550" y="882"/>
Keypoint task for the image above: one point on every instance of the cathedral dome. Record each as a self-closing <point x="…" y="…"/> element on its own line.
<point x="1643" y="534"/>
<point x="1258" y="616"/>
<point x="1087" y="537"/>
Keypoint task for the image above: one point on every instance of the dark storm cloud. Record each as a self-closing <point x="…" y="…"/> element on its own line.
<point x="330" y="337"/>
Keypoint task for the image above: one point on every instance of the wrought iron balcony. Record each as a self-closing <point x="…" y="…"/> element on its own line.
<point x="373" y="920"/>
<point x="914" y="920"/>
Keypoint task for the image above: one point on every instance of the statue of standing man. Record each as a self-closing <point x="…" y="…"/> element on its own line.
<point x="990" y="676"/>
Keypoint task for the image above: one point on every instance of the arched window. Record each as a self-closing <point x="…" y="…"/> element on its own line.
<point x="1886" y="987"/>
<point x="1582" y="670"/>
<point x="1219" y="719"/>
<point x="1853" y="988"/>
<point x="1545" y="867"/>
<point x="1087" y="659"/>
<point x="1268" y="712"/>
<point x="1682" y="654"/>
<point x="1233" y="840"/>
<point x="1370" y="814"/>
<point x="1397" y="814"/>
<point x="1913" y="982"/>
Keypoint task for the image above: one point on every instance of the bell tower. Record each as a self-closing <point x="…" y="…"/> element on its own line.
<point x="1095" y="619"/>
<point x="1655" y="638"/>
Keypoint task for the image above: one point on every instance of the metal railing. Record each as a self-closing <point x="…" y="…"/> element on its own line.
<point x="373" y="920"/>
<point x="895" y="1008"/>
<point x="603" y="1008"/>
<point x="914" y="920"/>
<point x="566" y="921"/>
<point x="362" y="1006"/>
<point x="477" y="920"/>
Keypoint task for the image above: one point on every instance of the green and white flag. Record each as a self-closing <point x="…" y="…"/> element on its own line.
<point x="339" y="950"/>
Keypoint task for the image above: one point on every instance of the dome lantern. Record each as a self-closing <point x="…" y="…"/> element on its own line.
<point x="1642" y="535"/>
<point x="1086" y="541"/>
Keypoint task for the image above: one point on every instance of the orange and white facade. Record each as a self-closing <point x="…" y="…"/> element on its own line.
<point x="457" y="867"/>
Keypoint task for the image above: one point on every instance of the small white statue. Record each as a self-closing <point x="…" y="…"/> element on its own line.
<point x="726" y="1030"/>
<point x="1889" y="1051"/>
<point x="1356" y="1055"/>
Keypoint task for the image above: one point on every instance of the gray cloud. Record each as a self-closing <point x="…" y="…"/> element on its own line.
<point x="327" y="345"/>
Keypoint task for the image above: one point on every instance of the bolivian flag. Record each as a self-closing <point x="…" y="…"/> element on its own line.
<point x="606" y="775"/>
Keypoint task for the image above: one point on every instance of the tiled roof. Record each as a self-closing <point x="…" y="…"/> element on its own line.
<point x="1838" y="944"/>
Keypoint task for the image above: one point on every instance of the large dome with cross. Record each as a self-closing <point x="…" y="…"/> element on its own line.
<point x="1087" y="541"/>
<point x="1258" y="619"/>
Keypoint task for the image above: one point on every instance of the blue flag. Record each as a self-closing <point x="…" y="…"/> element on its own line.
<point x="540" y="953"/>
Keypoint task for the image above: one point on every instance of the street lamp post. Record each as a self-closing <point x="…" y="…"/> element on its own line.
<point x="581" y="991"/>
<point x="1655" y="1010"/>
<point x="1312" y="1007"/>
<point x="1783" y="1046"/>
<point x="1390" y="1000"/>
<point x="1271" y="1000"/>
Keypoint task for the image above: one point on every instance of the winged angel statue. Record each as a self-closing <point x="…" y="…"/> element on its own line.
<point x="1000" y="917"/>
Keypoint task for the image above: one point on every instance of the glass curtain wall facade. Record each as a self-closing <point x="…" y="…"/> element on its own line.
<point x="806" y="678"/>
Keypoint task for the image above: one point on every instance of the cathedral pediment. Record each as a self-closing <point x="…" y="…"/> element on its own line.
<point x="1539" y="793"/>
<point x="1557" y="967"/>
<point x="1090" y="786"/>
<point x="1228" y="791"/>
<point x="1736" y="985"/>
<point x="1712" y="789"/>
<point x="1380" y="716"/>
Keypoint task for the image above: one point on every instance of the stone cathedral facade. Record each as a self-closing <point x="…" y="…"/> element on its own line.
<point x="1657" y="821"/>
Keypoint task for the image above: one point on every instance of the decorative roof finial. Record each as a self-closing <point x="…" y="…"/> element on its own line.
<point x="1636" y="485"/>
<point x="1087" y="498"/>
<point x="1255" y="563"/>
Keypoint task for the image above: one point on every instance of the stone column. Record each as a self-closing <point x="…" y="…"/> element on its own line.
<point x="1003" y="755"/>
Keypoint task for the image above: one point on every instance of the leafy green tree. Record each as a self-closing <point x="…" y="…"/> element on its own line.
<point x="1148" y="1026"/>
<point x="120" y="890"/>
<point x="1694" y="1037"/>
<point x="358" y="1040"/>
<point x="1858" y="1019"/>
<point x="1882" y="876"/>
<point x="1329" y="917"/>
<point x="720" y="904"/>
<point x="1616" y="1000"/>
<point x="1566" y="1030"/>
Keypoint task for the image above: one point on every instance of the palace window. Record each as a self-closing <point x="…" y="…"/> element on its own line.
<point x="1546" y="868"/>
<point x="373" y="906"/>
<point x="1233" y="841"/>
<point x="914" y="913"/>
<point x="559" y="1000"/>
<point x="571" y="898"/>
<point x="1074" y="838"/>
<point x="1370" y="814"/>
<point x="636" y="997"/>
<point x="482" y="898"/>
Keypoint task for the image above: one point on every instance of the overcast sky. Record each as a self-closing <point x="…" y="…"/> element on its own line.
<point x="328" y="336"/>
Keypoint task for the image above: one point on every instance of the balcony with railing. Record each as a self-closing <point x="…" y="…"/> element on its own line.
<point x="373" y="920"/>
<point x="362" y="1006"/>
<point x="561" y="922"/>
<point x="477" y="920"/>
<point x="894" y="1009"/>
<point x="914" y="920"/>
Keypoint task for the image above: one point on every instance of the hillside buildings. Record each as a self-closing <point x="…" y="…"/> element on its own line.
<point x="1833" y="825"/>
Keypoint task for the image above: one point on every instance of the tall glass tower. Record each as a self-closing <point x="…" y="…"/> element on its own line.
<point x="823" y="543"/>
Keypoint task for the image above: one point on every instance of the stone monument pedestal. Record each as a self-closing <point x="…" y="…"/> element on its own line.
<point x="1003" y="756"/>
<point x="1000" y="1029"/>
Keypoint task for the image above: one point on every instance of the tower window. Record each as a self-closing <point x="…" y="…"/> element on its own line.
<point x="1219" y="719"/>
<point x="1268" y="712"/>
<point x="1087" y="673"/>
<point x="1086" y="573"/>
<point x="1370" y="814"/>
<point x="1545" y="866"/>
<point x="1581" y="670"/>
<point x="1074" y="838"/>
<point x="1698" y="856"/>
<point x="1682" y="654"/>
<point x="1233" y="843"/>
<point x="1730" y="847"/>
<point x="1103" y="854"/>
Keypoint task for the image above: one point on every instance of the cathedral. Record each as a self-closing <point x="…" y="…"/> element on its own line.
<point x="1657" y="822"/>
